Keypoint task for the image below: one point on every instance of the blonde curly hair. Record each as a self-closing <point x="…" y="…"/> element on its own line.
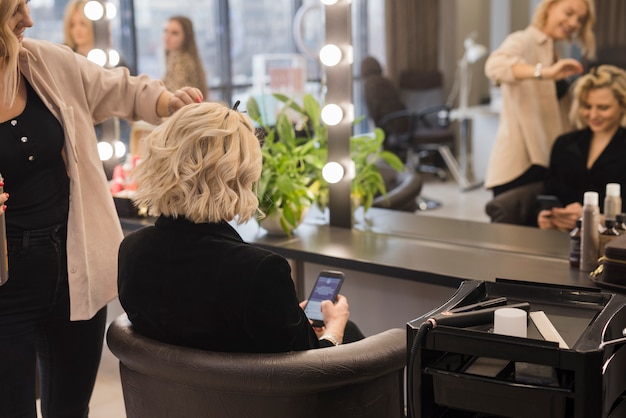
<point x="202" y="164"/>
<point x="599" y="77"/>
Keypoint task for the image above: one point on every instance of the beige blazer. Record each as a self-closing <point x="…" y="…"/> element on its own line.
<point x="80" y="94"/>
<point x="531" y="117"/>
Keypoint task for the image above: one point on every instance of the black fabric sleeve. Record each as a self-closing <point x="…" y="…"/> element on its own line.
<point x="273" y="317"/>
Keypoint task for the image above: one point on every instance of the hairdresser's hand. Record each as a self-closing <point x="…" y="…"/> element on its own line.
<point x="169" y="102"/>
<point x="563" y="68"/>
<point x="3" y="198"/>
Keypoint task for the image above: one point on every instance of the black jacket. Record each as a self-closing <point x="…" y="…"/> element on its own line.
<point x="200" y="285"/>
<point x="568" y="176"/>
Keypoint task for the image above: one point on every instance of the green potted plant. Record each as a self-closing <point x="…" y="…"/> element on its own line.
<point x="294" y="153"/>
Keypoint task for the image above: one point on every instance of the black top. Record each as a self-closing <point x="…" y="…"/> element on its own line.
<point x="32" y="165"/>
<point x="568" y="176"/>
<point x="200" y="285"/>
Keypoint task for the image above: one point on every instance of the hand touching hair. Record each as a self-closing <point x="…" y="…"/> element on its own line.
<point x="202" y="164"/>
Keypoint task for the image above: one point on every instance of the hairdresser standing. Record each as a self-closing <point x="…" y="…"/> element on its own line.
<point x="62" y="229"/>
<point x="535" y="97"/>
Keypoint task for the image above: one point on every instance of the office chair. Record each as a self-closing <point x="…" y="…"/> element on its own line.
<point x="412" y="133"/>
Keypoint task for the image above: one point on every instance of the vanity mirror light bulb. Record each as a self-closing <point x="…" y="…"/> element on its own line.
<point x="329" y="2"/>
<point x="94" y="10"/>
<point x="98" y="56"/>
<point x="111" y="10"/>
<point x="114" y="57"/>
<point x="332" y="114"/>
<point x="120" y="149"/>
<point x="330" y="55"/>
<point x="333" y="172"/>
<point x="105" y="151"/>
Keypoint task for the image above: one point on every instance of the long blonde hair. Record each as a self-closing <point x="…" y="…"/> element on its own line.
<point x="203" y="163"/>
<point x="9" y="53"/>
<point x="603" y="76"/>
<point x="70" y="9"/>
<point x="586" y="38"/>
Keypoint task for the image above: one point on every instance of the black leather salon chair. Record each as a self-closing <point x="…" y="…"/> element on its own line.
<point x="517" y="206"/>
<point x="362" y="379"/>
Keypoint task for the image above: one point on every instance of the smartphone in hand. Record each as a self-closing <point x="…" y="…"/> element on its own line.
<point x="326" y="287"/>
<point x="547" y="202"/>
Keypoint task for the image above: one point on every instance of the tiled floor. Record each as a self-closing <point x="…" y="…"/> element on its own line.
<point x="107" y="401"/>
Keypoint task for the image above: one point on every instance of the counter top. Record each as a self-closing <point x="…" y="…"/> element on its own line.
<point x="426" y="249"/>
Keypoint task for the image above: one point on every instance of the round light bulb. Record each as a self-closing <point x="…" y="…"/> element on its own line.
<point x="98" y="56"/>
<point x="333" y="172"/>
<point x="94" y="10"/>
<point x="330" y="55"/>
<point x="111" y="10"/>
<point x="114" y="57"/>
<point x="120" y="149"/>
<point x="105" y="151"/>
<point x="332" y="114"/>
<point x="329" y="2"/>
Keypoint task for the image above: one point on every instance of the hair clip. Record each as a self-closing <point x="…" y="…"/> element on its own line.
<point x="260" y="135"/>
<point x="236" y="105"/>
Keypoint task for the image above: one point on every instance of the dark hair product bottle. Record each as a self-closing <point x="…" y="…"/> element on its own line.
<point x="574" y="245"/>
<point x="589" y="233"/>
<point x="619" y="223"/>
<point x="608" y="235"/>
<point x="612" y="201"/>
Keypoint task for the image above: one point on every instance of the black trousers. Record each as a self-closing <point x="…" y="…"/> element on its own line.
<point x="35" y="328"/>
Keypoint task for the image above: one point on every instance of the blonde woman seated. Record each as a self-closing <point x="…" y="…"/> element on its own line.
<point x="594" y="155"/>
<point x="190" y="279"/>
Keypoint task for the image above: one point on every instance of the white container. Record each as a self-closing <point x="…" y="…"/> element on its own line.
<point x="510" y="321"/>
<point x="612" y="201"/>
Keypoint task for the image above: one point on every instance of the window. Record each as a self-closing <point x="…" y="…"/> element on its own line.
<point x="226" y="46"/>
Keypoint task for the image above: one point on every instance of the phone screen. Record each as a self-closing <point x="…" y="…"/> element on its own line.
<point x="326" y="287"/>
<point x="547" y="202"/>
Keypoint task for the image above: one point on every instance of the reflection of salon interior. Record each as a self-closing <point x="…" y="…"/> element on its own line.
<point x="450" y="22"/>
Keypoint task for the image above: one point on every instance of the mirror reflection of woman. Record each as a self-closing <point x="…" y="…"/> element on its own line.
<point x="535" y="94"/>
<point x="182" y="60"/>
<point x="594" y="155"/>
<point x="77" y="28"/>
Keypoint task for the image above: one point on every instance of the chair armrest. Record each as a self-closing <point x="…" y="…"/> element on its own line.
<point x="516" y="206"/>
<point x="292" y="372"/>
<point x="403" y="196"/>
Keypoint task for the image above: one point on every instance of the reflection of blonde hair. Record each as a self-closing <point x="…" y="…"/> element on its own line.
<point x="599" y="77"/>
<point x="201" y="164"/>
<point x="70" y="9"/>
<point x="9" y="52"/>
<point x="584" y="37"/>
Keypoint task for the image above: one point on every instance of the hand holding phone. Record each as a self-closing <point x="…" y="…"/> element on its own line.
<point x="547" y="202"/>
<point x="326" y="287"/>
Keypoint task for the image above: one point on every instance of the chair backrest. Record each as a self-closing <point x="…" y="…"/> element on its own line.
<point x="381" y="96"/>
<point x="421" y="89"/>
<point x="361" y="379"/>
